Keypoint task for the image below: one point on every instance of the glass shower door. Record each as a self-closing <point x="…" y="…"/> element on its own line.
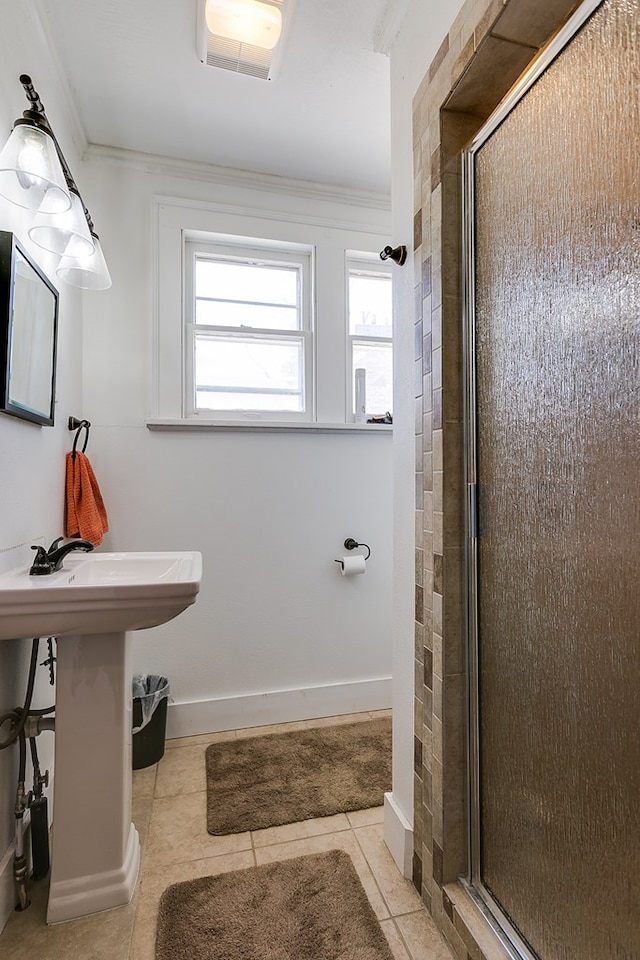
<point x="556" y="451"/>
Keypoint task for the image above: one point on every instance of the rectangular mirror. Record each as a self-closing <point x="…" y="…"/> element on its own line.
<point x="28" y="335"/>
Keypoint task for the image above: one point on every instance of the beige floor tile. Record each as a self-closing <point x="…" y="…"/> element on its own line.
<point x="141" y="815"/>
<point x="303" y="724"/>
<point x="396" y="943"/>
<point x="300" y="830"/>
<point x="364" y="818"/>
<point x="178" y="833"/>
<point x="154" y="882"/>
<point x="144" y="781"/>
<point x="169" y="809"/>
<point x="331" y="841"/>
<point x="271" y="728"/>
<point x="339" y="719"/>
<point x="400" y="895"/>
<point x="181" y="771"/>
<point x="220" y="737"/>
<point x="103" y="936"/>
<point x="422" y="938"/>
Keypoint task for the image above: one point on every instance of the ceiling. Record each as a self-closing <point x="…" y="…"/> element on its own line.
<point x="134" y="76"/>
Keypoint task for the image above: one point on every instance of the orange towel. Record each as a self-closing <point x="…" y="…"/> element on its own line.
<point x="84" y="514"/>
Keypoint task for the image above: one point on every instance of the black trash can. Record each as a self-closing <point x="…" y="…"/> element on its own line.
<point x="150" y="698"/>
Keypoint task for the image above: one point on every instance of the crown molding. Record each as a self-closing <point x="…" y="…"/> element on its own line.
<point x="389" y="25"/>
<point x="54" y="65"/>
<point x="231" y="177"/>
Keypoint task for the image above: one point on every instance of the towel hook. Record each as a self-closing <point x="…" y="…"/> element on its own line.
<point x="79" y="426"/>
<point x="351" y="544"/>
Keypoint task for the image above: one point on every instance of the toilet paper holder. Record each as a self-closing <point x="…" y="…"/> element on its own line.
<point x="351" y="544"/>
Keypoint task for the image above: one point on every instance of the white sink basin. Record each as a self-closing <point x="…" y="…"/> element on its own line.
<point x="90" y="605"/>
<point x="99" y="593"/>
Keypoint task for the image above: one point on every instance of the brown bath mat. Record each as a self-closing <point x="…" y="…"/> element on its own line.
<point x="281" y="778"/>
<point x="309" y="908"/>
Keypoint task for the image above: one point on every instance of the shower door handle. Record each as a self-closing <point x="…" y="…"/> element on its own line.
<point x="472" y="511"/>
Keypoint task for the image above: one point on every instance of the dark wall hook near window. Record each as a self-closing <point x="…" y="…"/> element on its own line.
<point x="351" y="544"/>
<point x="397" y="254"/>
<point x="79" y="425"/>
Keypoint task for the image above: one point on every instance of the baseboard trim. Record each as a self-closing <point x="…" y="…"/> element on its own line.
<point x="398" y="836"/>
<point x="188" y="719"/>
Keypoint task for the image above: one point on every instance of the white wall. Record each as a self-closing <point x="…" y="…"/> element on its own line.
<point x="423" y="29"/>
<point x="268" y="496"/>
<point x="277" y="633"/>
<point x="31" y="457"/>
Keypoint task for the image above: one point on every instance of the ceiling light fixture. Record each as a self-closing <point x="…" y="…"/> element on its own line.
<point x="246" y="21"/>
<point x="35" y="175"/>
<point x="243" y="36"/>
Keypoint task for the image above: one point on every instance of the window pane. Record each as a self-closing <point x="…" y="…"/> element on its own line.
<point x="369" y="305"/>
<point x="377" y="360"/>
<point x="253" y="282"/>
<point x="249" y="374"/>
<point x="224" y="314"/>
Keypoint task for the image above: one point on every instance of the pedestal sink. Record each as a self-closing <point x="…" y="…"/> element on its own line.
<point x="89" y="605"/>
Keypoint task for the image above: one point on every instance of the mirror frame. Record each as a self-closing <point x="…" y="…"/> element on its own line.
<point x="10" y="252"/>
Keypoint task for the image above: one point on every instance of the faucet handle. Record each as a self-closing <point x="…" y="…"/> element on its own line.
<point x="56" y="543"/>
<point x="41" y="563"/>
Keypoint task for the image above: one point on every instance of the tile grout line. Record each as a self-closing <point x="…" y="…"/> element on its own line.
<point x="372" y="871"/>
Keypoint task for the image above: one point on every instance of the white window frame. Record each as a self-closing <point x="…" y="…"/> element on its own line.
<point x="263" y="219"/>
<point x="365" y="264"/>
<point x="235" y="249"/>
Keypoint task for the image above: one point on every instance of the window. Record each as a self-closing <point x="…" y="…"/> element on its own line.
<point x="255" y="324"/>
<point x="248" y="333"/>
<point x="370" y="331"/>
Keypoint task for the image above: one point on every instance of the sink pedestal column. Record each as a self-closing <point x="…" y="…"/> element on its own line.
<point x="95" y="850"/>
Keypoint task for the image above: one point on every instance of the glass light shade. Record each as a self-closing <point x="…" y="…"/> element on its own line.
<point x="88" y="272"/>
<point x="31" y="175"/>
<point x="247" y="21"/>
<point x="65" y="233"/>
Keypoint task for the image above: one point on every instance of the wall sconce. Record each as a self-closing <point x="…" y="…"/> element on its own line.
<point x="397" y="254"/>
<point x="35" y="175"/>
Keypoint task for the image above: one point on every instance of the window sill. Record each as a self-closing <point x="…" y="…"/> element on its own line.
<point x="259" y="426"/>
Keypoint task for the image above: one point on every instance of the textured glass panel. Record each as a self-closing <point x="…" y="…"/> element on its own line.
<point x="558" y="367"/>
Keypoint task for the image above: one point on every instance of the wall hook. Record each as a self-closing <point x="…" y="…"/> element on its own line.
<point x="397" y="254"/>
<point x="79" y="425"/>
<point x="73" y="423"/>
<point x="351" y="544"/>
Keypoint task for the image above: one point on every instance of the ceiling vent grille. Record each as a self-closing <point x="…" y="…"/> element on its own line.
<point x="238" y="57"/>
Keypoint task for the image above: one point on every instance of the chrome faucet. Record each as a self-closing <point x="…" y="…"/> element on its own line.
<point x="48" y="561"/>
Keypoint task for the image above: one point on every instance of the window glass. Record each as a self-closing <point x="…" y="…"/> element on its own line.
<point x="369" y="305"/>
<point x="248" y="374"/>
<point x="377" y="361"/>
<point x="370" y="331"/>
<point x="249" y="343"/>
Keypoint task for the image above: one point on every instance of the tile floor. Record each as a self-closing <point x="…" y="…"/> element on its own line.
<point x="169" y="812"/>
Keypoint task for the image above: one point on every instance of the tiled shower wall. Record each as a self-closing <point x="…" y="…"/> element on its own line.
<point x="488" y="47"/>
